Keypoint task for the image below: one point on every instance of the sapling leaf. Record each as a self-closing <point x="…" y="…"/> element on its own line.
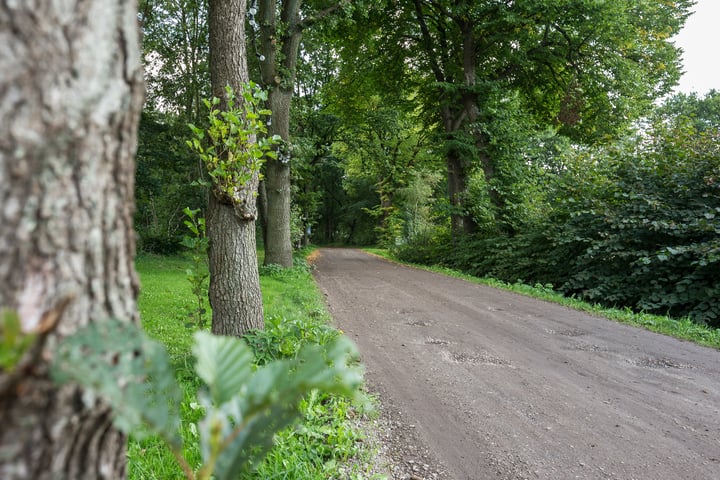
<point x="118" y="362"/>
<point x="269" y="400"/>
<point x="223" y="363"/>
<point x="13" y="341"/>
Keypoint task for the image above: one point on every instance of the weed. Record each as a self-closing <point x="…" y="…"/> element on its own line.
<point x="198" y="273"/>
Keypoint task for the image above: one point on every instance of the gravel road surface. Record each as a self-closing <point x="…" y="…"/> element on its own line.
<point x="477" y="383"/>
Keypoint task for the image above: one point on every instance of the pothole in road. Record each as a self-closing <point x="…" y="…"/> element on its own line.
<point x="418" y="323"/>
<point x="590" y="347"/>
<point x="653" y="362"/>
<point x="573" y="332"/>
<point x="474" y="358"/>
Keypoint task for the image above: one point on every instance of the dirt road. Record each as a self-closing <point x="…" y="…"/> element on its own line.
<point x="484" y="384"/>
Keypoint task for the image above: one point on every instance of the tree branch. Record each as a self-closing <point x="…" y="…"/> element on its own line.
<point x="309" y="21"/>
<point x="427" y="43"/>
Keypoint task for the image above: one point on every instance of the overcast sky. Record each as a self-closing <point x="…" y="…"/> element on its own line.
<point x="700" y="41"/>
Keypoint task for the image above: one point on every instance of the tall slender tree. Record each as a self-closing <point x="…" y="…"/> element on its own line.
<point x="280" y="40"/>
<point x="279" y="47"/>
<point x="234" y="291"/>
<point x="71" y="89"/>
<point x="175" y="49"/>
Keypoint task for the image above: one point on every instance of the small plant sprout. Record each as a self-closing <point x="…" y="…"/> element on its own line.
<point x="233" y="147"/>
<point x="198" y="273"/>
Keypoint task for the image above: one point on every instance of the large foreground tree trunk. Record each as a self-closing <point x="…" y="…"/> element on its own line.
<point x="70" y="96"/>
<point x="234" y="282"/>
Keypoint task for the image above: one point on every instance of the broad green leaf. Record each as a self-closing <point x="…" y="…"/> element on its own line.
<point x="118" y="362"/>
<point x="269" y="402"/>
<point x="223" y="363"/>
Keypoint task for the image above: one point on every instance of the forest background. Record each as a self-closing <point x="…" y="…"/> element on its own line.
<point x="533" y="141"/>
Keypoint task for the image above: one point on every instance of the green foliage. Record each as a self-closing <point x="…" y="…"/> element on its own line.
<point x="163" y="184"/>
<point x="427" y="248"/>
<point x="175" y="46"/>
<point x="635" y="224"/>
<point x="283" y="337"/>
<point x="232" y="147"/>
<point x="385" y="148"/>
<point x="332" y="203"/>
<point x="319" y="446"/>
<point x="13" y="341"/>
<point x="244" y="406"/>
<point x="198" y="273"/>
<point x="488" y="78"/>
<point x="308" y="450"/>
<point x="285" y="291"/>
<point x="250" y="406"/>
<point x="649" y="238"/>
<point x="116" y="361"/>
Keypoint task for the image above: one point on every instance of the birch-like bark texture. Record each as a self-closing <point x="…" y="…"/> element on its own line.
<point x="71" y="91"/>
<point x="234" y="290"/>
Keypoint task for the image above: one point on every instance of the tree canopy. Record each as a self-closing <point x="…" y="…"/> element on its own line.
<point x="499" y="137"/>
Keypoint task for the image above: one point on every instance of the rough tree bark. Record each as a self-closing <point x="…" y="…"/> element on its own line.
<point x="234" y="290"/>
<point x="70" y="96"/>
<point x="279" y="45"/>
<point x="278" y="75"/>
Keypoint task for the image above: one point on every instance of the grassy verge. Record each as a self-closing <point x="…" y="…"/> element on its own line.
<point x="682" y="328"/>
<point x="327" y="443"/>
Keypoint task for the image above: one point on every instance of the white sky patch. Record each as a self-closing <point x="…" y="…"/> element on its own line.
<point x="700" y="41"/>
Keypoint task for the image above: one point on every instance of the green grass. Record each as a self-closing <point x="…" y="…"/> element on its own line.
<point x="164" y="303"/>
<point x="682" y="328"/>
<point x="325" y="444"/>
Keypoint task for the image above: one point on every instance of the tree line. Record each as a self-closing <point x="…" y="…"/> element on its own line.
<point x="533" y="141"/>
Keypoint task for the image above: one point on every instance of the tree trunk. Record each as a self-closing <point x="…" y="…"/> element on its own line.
<point x="278" y="246"/>
<point x="278" y="75"/>
<point x="470" y="109"/>
<point x="234" y="292"/>
<point x="70" y="98"/>
<point x="234" y="282"/>
<point x="262" y="211"/>
<point x="457" y="188"/>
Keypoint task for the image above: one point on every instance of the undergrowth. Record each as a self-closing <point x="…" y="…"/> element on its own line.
<point x="327" y="443"/>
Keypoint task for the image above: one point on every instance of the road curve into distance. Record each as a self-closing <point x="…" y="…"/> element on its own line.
<point x="500" y="386"/>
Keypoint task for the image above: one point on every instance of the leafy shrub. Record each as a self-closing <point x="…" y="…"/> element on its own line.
<point x="650" y="240"/>
<point x="244" y="405"/>
<point x="160" y="244"/>
<point x="283" y="337"/>
<point x="429" y="247"/>
<point x="636" y="225"/>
